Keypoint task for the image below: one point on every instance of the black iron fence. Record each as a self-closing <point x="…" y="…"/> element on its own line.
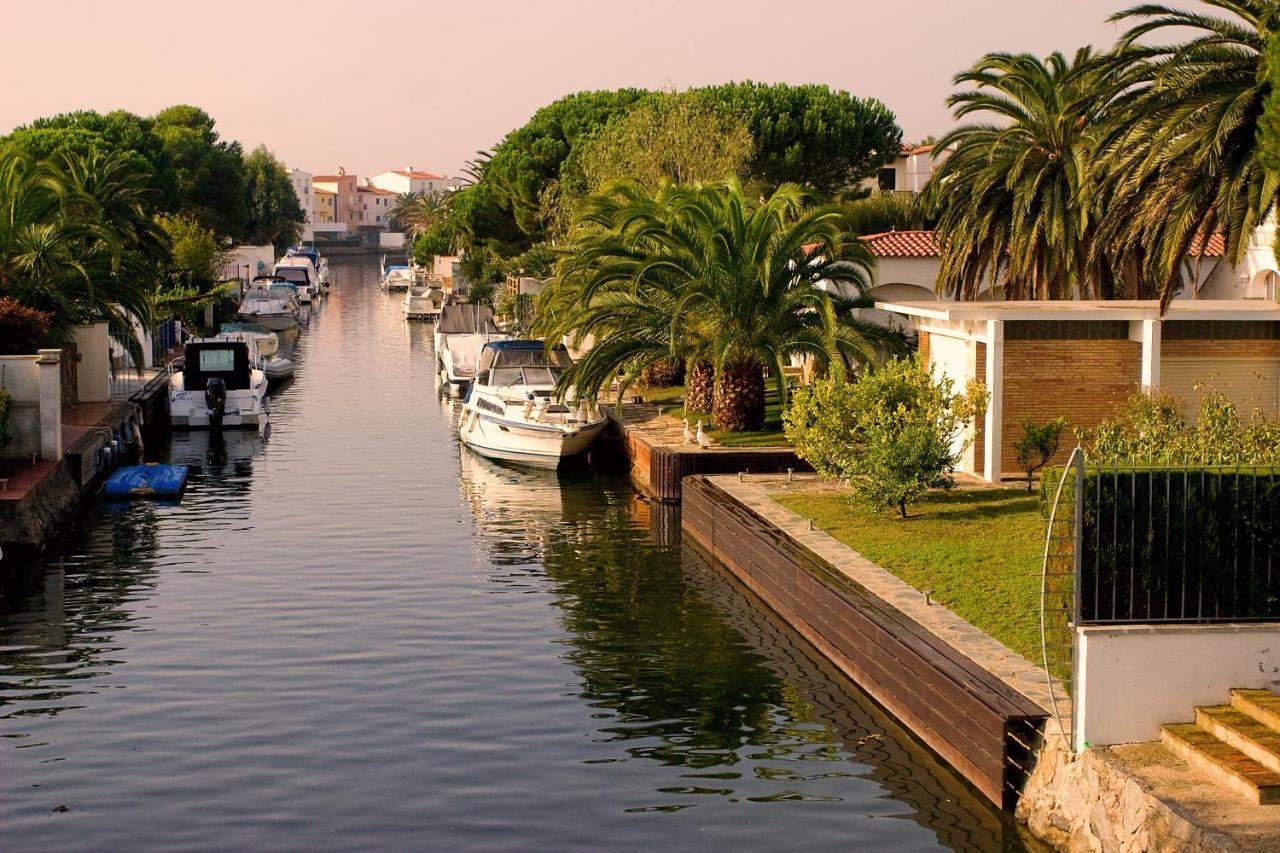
<point x="1159" y="545"/>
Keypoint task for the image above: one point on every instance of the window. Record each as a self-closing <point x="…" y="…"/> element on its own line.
<point x="888" y="179"/>
<point x="217" y="360"/>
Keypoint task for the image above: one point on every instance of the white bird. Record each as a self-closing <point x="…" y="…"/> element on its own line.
<point x="688" y="433"/>
<point x="704" y="441"/>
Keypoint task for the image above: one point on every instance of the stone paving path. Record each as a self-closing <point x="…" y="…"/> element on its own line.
<point x="652" y="420"/>
<point x="1016" y="671"/>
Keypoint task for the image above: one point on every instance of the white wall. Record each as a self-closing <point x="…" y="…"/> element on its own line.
<point x="955" y="358"/>
<point x="248" y="261"/>
<point x="34" y="383"/>
<point x="1132" y="679"/>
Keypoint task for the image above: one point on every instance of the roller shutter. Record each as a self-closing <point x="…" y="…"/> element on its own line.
<point x="1247" y="382"/>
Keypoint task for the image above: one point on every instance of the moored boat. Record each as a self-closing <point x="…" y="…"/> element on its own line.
<point x="395" y="277"/>
<point x="300" y="272"/>
<point x="218" y="386"/>
<point x="318" y="261"/>
<point x="511" y="411"/>
<point x="422" y="302"/>
<point x="271" y="302"/>
<point x="461" y="333"/>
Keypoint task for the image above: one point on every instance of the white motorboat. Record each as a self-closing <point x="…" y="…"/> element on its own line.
<point x="270" y="302"/>
<point x="218" y="386"/>
<point x="265" y="340"/>
<point x="460" y="335"/>
<point x="318" y="261"/>
<point x="511" y="412"/>
<point x="264" y="348"/>
<point x="422" y="302"/>
<point x="396" y="277"/>
<point x="301" y="274"/>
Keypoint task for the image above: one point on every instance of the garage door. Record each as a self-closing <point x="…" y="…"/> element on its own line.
<point x="1249" y="383"/>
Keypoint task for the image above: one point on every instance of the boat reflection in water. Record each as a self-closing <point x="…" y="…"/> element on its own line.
<point x="684" y="669"/>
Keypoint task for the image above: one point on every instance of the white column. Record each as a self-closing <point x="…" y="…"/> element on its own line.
<point x="992" y="439"/>
<point x="50" y="375"/>
<point x="1149" y="335"/>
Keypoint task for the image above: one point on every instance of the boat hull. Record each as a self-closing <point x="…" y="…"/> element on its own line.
<point x="540" y="446"/>
<point x="275" y="322"/>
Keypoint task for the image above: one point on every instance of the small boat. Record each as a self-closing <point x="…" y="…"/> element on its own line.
<point x="422" y="302"/>
<point x="396" y="277"/>
<point x="460" y="335"/>
<point x="270" y="302"/>
<point x="278" y="368"/>
<point x="265" y="340"/>
<point x="146" y="481"/>
<point x="511" y="412"/>
<point x="301" y="274"/>
<point x="319" y="262"/>
<point x="217" y="386"/>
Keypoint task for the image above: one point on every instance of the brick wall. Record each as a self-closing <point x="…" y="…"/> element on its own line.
<point x="924" y="347"/>
<point x="975" y="456"/>
<point x="1221" y="348"/>
<point x="1082" y="380"/>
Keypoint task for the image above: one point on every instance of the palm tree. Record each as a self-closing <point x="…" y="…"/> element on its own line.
<point x="706" y="273"/>
<point x="77" y="240"/>
<point x="1182" y="159"/>
<point x="1013" y="200"/>
<point x="415" y="213"/>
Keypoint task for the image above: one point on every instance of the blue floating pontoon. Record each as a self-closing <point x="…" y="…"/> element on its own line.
<point x="144" y="481"/>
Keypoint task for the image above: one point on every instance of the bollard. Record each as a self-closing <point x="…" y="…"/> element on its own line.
<point x="811" y="527"/>
<point x="928" y="597"/>
<point x="740" y="475"/>
<point x="790" y="471"/>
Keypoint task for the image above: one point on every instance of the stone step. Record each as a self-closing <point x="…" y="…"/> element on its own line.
<point x="1236" y="728"/>
<point x="1262" y="705"/>
<point x="1223" y="763"/>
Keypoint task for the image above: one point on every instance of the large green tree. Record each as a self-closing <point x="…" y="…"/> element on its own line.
<point x="811" y="135"/>
<point x="118" y="131"/>
<point x="1183" y="158"/>
<point x="209" y="170"/>
<point x="274" y="213"/>
<point x="709" y="273"/>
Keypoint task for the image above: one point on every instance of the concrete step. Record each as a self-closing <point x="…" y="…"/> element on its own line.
<point x="1236" y="728"/>
<point x="1222" y="762"/>
<point x="1262" y="705"/>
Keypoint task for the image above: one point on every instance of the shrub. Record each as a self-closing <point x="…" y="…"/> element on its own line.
<point x="891" y="432"/>
<point x="1150" y="430"/>
<point x="1038" y="444"/>
<point x="23" y="330"/>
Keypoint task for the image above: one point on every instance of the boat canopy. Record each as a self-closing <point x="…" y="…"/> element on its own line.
<point x="301" y="252"/>
<point x="516" y="354"/>
<point x="256" y="328"/>
<point x="225" y="360"/>
<point x="294" y="274"/>
<point x="467" y="319"/>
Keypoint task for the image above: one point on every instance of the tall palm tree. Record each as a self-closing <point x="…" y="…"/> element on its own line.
<point x="705" y="272"/>
<point x="76" y="239"/>
<point x="415" y="213"/>
<point x="1012" y="201"/>
<point x="1181" y="161"/>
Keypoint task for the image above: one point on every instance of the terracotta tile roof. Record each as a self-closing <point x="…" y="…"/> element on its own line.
<point x="1216" y="248"/>
<point x="914" y="149"/>
<point x="330" y="178"/>
<point x="428" y="176"/>
<point x="902" y="244"/>
<point x="374" y="190"/>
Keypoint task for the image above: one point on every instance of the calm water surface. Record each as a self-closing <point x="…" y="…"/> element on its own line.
<point x="352" y="634"/>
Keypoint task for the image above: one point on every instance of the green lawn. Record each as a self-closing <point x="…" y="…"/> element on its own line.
<point x="979" y="550"/>
<point x="770" y="436"/>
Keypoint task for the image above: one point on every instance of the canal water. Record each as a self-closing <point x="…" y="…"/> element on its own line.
<point x="352" y="634"/>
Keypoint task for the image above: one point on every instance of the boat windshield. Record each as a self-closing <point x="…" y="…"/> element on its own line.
<point x="294" y="275"/>
<point x="531" y="376"/>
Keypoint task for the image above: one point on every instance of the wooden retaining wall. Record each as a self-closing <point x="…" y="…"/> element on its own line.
<point x="976" y="722"/>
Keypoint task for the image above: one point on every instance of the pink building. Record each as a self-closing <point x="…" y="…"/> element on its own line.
<point x="346" y="202"/>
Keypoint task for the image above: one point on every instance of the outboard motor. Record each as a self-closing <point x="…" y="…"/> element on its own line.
<point x="215" y="399"/>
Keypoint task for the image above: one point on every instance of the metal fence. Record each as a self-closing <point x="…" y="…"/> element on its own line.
<point x="1190" y="545"/>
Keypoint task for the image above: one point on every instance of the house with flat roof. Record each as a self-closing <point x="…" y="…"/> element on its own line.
<point x="1081" y="359"/>
<point x="411" y="180"/>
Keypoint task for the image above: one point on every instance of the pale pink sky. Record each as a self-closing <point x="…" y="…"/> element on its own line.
<point x="382" y="84"/>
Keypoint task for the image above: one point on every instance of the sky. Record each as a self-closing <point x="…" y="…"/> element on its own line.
<point x="386" y="84"/>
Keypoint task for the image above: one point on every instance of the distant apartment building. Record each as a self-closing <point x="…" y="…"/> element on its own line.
<point x="325" y="201"/>
<point x="375" y="207"/>
<point x="346" y="198"/>
<point x="411" y="180"/>
<point x="302" y="187"/>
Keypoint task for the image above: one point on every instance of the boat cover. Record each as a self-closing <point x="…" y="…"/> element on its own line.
<point x="467" y="319"/>
<point x="165" y="481"/>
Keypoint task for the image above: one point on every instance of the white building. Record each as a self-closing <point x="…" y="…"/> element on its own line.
<point x="374" y="206"/>
<point x="306" y="197"/>
<point x="411" y="180"/>
<point x="908" y="172"/>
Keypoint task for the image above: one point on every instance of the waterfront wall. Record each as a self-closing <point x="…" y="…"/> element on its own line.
<point x="1134" y="678"/>
<point x="34" y="383"/>
<point x="968" y="715"/>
